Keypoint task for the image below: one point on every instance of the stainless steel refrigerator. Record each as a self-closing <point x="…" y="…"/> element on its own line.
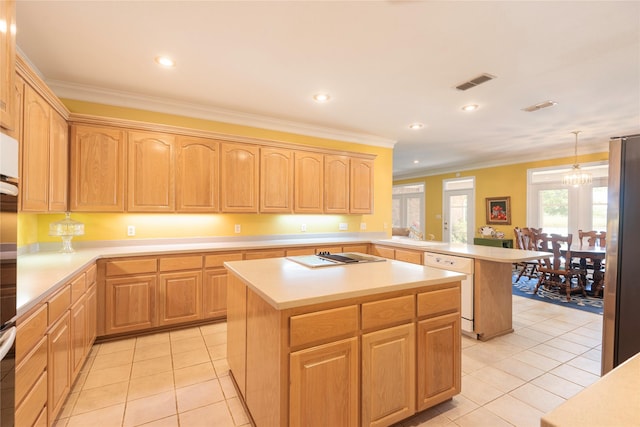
<point x="621" y="328"/>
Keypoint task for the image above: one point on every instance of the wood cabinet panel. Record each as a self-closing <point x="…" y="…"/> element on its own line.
<point x="438" y="360"/>
<point x="131" y="266"/>
<point x="384" y="252"/>
<point x="276" y="180"/>
<point x="336" y="184"/>
<point x="131" y="303"/>
<point x="363" y="249"/>
<point x="30" y="410"/>
<point x="438" y="302"/>
<point x="58" y="163"/>
<point x="197" y="175"/>
<point x="31" y="368"/>
<point x="301" y="251"/>
<point x="30" y="331"/>
<point x="78" y="287"/>
<point x="361" y="186"/>
<point x="97" y="181"/>
<point x="7" y="63"/>
<point x="58" y="365"/>
<point x="180" y="297"/>
<point x="239" y="178"/>
<point x="414" y="257"/>
<point x="218" y="259"/>
<point x="150" y="173"/>
<point x="308" y="182"/>
<point x="237" y="331"/>
<point x="214" y="293"/>
<point x="92" y="316"/>
<point x="323" y="325"/>
<point x="388" y="375"/>
<point x="176" y="263"/>
<point x="388" y="312"/>
<point x="59" y="303"/>
<point x="15" y="129"/>
<point x="272" y="253"/>
<point x="35" y="152"/>
<point x="314" y="401"/>
<point x="78" y="335"/>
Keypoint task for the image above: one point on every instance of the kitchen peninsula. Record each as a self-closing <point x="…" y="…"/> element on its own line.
<point x="355" y="344"/>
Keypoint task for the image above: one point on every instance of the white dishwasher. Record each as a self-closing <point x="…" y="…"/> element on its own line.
<point x="459" y="265"/>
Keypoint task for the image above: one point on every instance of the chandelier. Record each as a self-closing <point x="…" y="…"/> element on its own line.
<point x="577" y="177"/>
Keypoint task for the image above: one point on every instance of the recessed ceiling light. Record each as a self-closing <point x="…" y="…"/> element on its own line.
<point x="415" y="162"/>
<point x="415" y="126"/>
<point x="165" y="61"/>
<point x="321" y="97"/>
<point x="470" y="107"/>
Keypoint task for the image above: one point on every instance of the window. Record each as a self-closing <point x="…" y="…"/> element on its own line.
<point x="561" y="209"/>
<point x="408" y="206"/>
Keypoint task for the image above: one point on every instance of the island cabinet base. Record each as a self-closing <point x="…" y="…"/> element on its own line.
<point x="492" y="302"/>
<point x="367" y="361"/>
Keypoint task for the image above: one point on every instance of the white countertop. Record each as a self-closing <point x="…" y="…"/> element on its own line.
<point x="287" y="284"/>
<point x="613" y="400"/>
<point x="487" y="253"/>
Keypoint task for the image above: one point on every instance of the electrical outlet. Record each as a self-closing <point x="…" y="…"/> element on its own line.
<point x="303" y="227"/>
<point x="237" y="228"/>
<point x="363" y="226"/>
<point x="343" y="226"/>
<point x="131" y="230"/>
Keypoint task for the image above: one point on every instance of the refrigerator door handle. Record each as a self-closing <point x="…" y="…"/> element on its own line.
<point x="7" y="339"/>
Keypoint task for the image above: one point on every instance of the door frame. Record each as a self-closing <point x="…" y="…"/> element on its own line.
<point x="470" y="192"/>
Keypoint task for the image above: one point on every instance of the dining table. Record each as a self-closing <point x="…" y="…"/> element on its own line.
<point x="594" y="253"/>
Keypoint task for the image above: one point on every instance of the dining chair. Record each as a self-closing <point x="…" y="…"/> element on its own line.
<point x="558" y="272"/>
<point x="527" y="239"/>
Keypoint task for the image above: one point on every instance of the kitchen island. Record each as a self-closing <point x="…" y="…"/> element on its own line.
<point x="347" y="345"/>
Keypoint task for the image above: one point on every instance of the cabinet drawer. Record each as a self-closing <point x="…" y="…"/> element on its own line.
<point x="384" y="252"/>
<point x="30" y="409"/>
<point x="301" y="251"/>
<point x="217" y="260"/>
<point x="330" y="249"/>
<point x="28" y="372"/>
<point x="59" y="303"/>
<point x="409" y="256"/>
<point x="276" y="253"/>
<point x="438" y="302"/>
<point x="78" y="287"/>
<point x="131" y="266"/>
<point x="323" y="325"/>
<point x="30" y="331"/>
<point x="91" y="275"/>
<point x="387" y="312"/>
<point x="363" y="249"/>
<point x="176" y="263"/>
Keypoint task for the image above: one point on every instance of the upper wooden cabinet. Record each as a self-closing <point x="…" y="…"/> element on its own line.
<point x="336" y="184"/>
<point x="240" y="177"/>
<point x="309" y="180"/>
<point x="361" y="186"/>
<point x="197" y="175"/>
<point x="44" y="152"/>
<point x="7" y="63"/>
<point x="97" y="169"/>
<point x="150" y="173"/>
<point x="276" y="180"/>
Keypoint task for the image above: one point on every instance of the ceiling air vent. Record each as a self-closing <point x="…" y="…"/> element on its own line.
<point x="475" y="81"/>
<point x="539" y="106"/>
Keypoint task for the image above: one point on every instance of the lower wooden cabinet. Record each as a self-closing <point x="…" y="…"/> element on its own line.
<point x="59" y="365"/>
<point x="406" y="255"/>
<point x="438" y="373"/>
<point x="180" y="295"/>
<point x="388" y="375"/>
<point x="324" y="385"/>
<point x="78" y="334"/>
<point x="130" y="303"/>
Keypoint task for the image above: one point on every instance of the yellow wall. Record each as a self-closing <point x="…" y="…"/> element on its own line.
<point x="103" y="226"/>
<point x="508" y="180"/>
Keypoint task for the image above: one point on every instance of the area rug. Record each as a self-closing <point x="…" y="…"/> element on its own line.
<point x="525" y="287"/>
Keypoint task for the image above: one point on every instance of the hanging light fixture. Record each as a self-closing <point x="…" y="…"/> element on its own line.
<point x="577" y="176"/>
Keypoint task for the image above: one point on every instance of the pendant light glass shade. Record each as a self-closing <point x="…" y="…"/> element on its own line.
<point x="577" y="176"/>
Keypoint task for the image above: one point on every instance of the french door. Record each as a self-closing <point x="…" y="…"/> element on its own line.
<point x="458" y="221"/>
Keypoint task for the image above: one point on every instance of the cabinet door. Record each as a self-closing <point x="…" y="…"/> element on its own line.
<point x="97" y="169"/>
<point x="388" y="375"/>
<point x="197" y="175"/>
<point x="240" y="178"/>
<point x="35" y="153"/>
<point x="438" y="360"/>
<point x="276" y="180"/>
<point x="7" y="63"/>
<point x="407" y="255"/>
<point x="180" y="297"/>
<point x="361" y="186"/>
<point x="130" y="304"/>
<point x="58" y="163"/>
<point x="92" y="316"/>
<point x="309" y="182"/>
<point x="15" y="129"/>
<point x="214" y="293"/>
<point x="150" y="174"/>
<point x="336" y="184"/>
<point x="78" y="335"/>
<point x="324" y="385"/>
<point x="59" y="365"/>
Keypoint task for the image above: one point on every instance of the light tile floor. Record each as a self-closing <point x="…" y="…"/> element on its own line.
<point x="181" y="378"/>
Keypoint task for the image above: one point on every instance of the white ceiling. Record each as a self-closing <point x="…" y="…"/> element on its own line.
<point x="386" y="64"/>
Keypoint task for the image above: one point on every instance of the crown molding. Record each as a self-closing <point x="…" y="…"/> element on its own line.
<point x="161" y="105"/>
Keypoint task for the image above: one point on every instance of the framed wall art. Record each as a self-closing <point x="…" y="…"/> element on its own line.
<point x="499" y="210"/>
